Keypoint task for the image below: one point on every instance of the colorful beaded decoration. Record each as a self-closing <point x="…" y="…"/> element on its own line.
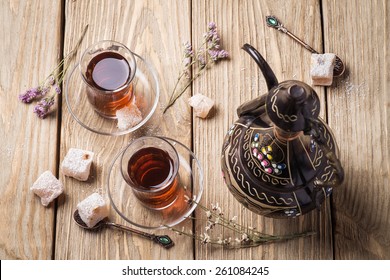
<point x="264" y="155"/>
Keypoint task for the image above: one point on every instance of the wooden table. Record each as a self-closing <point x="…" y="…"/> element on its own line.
<point x="353" y="224"/>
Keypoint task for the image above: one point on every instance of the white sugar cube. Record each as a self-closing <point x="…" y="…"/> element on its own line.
<point x="202" y="105"/>
<point x="322" y="68"/>
<point x="93" y="209"/>
<point x="77" y="164"/>
<point x="128" y="117"/>
<point x="47" y="187"/>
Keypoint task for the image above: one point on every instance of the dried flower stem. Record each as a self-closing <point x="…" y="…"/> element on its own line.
<point x="208" y="53"/>
<point x="54" y="79"/>
<point x="249" y="237"/>
<point x="173" y="98"/>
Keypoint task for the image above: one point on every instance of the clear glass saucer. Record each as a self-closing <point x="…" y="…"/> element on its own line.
<point x="129" y="208"/>
<point x="147" y="92"/>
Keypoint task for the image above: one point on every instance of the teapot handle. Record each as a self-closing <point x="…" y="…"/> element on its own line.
<point x="314" y="129"/>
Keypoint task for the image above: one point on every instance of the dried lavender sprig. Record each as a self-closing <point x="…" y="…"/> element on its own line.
<point x="213" y="54"/>
<point x="43" y="107"/>
<point x="54" y="79"/>
<point x="219" y="55"/>
<point x="173" y="99"/>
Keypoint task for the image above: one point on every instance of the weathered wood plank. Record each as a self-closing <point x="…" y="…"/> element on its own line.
<point x="358" y="112"/>
<point x="152" y="29"/>
<point x="233" y="82"/>
<point x="29" y="50"/>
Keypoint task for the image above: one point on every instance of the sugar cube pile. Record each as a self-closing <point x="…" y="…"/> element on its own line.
<point x="47" y="187"/>
<point x="77" y="164"/>
<point x="128" y="116"/>
<point x="201" y="104"/>
<point x="92" y="209"/>
<point x="322" y="68"/>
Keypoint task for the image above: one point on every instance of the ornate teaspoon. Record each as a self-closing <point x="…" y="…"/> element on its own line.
<point x="273" y="22"/>
<point x="163" y="240"/>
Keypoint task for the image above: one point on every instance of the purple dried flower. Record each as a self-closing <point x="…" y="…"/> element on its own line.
<point x="188" y="54"/>
<point x="215" y="39"/>
<point x="213" y="55"/>
<point x="208" y="53"/>
<point x="187" y="61"/>
<point x="43" y="107"/>
<point x="188" y="51"/>
<point x="51" y="80"/>
<point x="57" y="89"/>
<point x="212" y="25"/>
<point x="29" y="95"/>
<point x="216" y="55"/>
<point x="201" y="60"/>
<point x="212" y="31"/>
<point x="45" y="90"/>
<point x="223" y="54"/>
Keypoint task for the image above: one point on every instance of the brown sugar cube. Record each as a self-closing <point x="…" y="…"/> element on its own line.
<point x="77" y="164"/>
<point x="322" y="69"/>
<point x="92" y="209"/>
<point x="128" y="117"/>
<point x="202" y="105"/>
<point x="47" y="187"/>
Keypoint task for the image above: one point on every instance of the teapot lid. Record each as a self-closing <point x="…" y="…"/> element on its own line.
<point x="290" y="103"/>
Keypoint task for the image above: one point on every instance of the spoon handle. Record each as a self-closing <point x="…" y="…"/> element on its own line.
<point x="163" y="240"/>
<point x="275" y="23"/>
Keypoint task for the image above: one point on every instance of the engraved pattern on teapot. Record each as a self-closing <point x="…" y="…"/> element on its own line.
<point x="280" y="159"/>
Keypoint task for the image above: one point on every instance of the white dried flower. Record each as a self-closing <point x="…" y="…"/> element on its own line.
<point x="233" y="219"/>
<point x="216" y="208"/>
<point x="206" y="238"/>
<point x="227" y="241"/>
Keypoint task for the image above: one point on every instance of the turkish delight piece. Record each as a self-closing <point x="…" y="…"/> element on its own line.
<point x="92" y="209"/>
<point x="322" y="69"/>
<point x="128" y="116"/>
<point x="77" y="164"/>
<point x="47" y="187"/>
<point x="201" y="104"/>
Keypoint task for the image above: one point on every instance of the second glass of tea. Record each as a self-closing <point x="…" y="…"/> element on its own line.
<point x="149" y="165"/>
<point x="108" y="68"/>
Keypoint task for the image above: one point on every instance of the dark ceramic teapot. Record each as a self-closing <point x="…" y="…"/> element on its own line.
<point x="279" y="159"/>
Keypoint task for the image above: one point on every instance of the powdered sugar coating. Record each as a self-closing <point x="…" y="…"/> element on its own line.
<point x="322" y="68"/>
<point x="47" y="187"/>
<point x="92" y="209"/>
<point x="202" y="105"/>
<point x="77" y="164"/>
<point x="128" y="116"/>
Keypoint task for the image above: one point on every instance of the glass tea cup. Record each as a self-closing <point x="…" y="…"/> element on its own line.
<point x="108" y="69"/>
<point x="149" y="165"/>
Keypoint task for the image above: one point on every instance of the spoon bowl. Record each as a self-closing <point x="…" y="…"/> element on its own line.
<point x="163" y="240"/>
<point x="339" y="67"/>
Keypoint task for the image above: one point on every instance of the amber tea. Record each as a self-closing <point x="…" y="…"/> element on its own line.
<point x="109" y="75"/>
<point x="154" y="177"/>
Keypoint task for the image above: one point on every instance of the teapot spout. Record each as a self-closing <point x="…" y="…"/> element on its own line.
<point x="268" y="74"/>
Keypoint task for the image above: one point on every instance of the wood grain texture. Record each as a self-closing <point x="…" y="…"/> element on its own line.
<point x="29" y="50"/>
<point x="233" y="82"/>
<point x="152" y="29"/>
<point x="356" y="108"/>
<point x="358" y="112"/>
